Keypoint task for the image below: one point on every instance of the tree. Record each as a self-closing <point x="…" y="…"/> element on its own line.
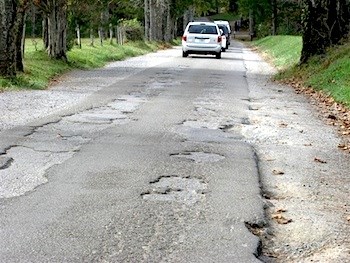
<point x="274" y="17"/>
<point x="57" y="29"/>
<point x="325" y="23"/>
<point x="233" y="5"/>
<point x="8" y="9"/>
<point x="20" y="33"/>
<point x="55" y="21"/>
<point x="12" y="13"/>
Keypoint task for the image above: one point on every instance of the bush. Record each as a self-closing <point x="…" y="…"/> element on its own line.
<point x="133" y="29"/>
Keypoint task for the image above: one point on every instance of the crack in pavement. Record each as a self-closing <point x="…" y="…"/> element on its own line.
<point x="23" y="166"/>
<point x="5" y="162"/>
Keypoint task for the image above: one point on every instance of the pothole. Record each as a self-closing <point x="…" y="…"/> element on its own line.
<point x="200" y="157"/>
<point x="258" y="229"/>
<point x="97" y="116"/>
<point x="204" y="111"/>
<point x="226" y="127"/>
<point x="173" y="188"/>
<point x="5" y="162"/>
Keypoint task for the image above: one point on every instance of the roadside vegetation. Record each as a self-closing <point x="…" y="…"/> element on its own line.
<point x="40" y="69"/>
<point x="225" y="16"/>
<point x="328" y="73"/>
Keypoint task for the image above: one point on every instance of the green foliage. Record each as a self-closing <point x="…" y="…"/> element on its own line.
<point x="92" y="14"/>
<point x="40" y="70"/>
<point x="225" y="16"/>
<point x="288" y="16"/>
<point x="133" y="29"/>
<point x="328" y="73"/>
<point x="283" y="50"/>
<point x="331" y="73"/>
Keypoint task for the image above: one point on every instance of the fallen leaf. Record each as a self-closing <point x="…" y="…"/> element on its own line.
<point x="281" y="210"/>
<point x="343" y="146"/>
<point x="277" y="172"/>
<point x="331" y="116"/>
<point x="282" y="124"/>
<point x="319" y="160"/>
<point x="280" y="219"/>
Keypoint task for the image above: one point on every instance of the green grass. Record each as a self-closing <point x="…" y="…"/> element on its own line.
<point x="225" y="16"/>
<point x="330" y="73"/>
<point x="40" y="70"/>
<point x="283" y="50"/>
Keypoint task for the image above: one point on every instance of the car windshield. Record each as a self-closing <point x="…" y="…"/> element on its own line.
<point x="202" y="29"/>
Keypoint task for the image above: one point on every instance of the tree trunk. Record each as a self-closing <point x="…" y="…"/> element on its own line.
<point x="233" y="6"/>
<point x="147" y="19"/>
<point x="338" y="20"/>
<point x="20" y="37"/>
<point x="33" y="18"/>
<point x="274" y="17"/>
<point x="325" y="23"/>
<point x="159" y="20"/>
<point x="45" y="32"/>
<point x="152" y="20"/>
<point x="8" y="11"/>
<point x="169" y="23"/>
<point x="57" y="29"/>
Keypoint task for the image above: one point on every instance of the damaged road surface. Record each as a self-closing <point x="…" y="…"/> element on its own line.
<point x="151" y="167"/>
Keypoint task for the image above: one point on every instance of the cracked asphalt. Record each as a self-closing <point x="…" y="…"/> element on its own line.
<point x="168" y="159"/>
<point x="140" y="166"/>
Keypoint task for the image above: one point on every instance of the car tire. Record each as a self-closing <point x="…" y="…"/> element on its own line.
<point x="223" y="49"/>
<point x="184" y="54"/>
<point x="218" y="55"/>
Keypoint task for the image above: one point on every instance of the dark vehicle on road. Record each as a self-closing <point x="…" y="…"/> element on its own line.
<point x="227" y="35"/>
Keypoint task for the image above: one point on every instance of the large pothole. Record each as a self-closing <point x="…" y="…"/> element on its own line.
<point x="188" y="190"/>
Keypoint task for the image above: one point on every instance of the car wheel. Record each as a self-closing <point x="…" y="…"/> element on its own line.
<point x="218" y="55"/>
<point x="184" y="54"/>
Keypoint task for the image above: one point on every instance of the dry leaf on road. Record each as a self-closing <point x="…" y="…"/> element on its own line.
<point x="277" y="172"/>
<point x="319" y="160"/>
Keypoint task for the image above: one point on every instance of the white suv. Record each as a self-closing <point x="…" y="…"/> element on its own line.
<point x="202" y="38"/>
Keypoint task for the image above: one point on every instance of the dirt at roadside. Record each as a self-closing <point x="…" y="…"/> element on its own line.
<point x="305" y="171"/>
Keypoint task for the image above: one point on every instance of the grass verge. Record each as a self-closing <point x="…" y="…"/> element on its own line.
<point x="330" y="73"/>
<point x="40" y="70"/>
<point x="225" y="16"/>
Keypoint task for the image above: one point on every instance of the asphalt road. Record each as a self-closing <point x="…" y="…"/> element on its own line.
<point x="150" y="167"/>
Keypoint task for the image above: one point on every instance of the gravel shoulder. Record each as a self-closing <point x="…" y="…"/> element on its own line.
<point x="305" y="178"/>
<point x="72" y="89"/>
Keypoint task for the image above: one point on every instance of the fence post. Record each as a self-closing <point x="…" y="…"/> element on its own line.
<point x="100" y="35"/>
<point x="78" y="35"/>
<point x="91" y="37"/>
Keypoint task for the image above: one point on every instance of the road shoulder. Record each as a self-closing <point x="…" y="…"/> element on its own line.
<point x="304" y="175"/>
